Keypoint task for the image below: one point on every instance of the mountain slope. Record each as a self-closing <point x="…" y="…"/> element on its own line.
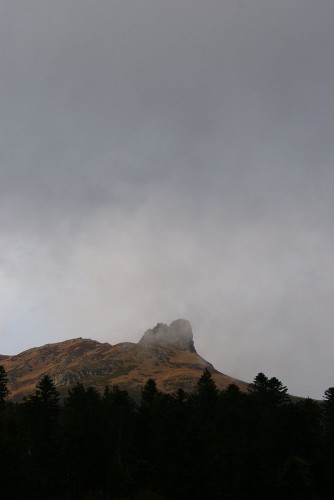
<point x="165" y="353"/>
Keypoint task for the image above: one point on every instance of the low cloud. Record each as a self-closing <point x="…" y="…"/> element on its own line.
<point x="165" y="161"/>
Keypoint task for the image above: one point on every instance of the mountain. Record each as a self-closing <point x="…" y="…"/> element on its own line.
<point x="164" y="353"/>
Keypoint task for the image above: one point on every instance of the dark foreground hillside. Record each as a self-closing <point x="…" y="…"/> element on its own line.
<point x="209" y="444"/>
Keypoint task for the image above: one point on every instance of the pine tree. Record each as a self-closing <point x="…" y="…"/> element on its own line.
<point x="46" y="393"/>
<point x="150" y="391"/>
<point x="40" y="414"/>
<point x="268" y="390"/>
<point x="206" y="386"/>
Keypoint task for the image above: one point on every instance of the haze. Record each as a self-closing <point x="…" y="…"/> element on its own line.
<point x="171" y="159"/>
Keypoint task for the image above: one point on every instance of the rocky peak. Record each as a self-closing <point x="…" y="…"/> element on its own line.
<point x="178" y="334"/>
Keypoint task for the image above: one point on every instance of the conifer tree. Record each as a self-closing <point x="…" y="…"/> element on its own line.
<point x="149" y="391"/>
<point x="268" y="390"/>
<point x="206" y="386"/>
<point x="46" y="392"/>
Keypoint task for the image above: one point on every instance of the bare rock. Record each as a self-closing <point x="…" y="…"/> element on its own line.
<point x="178" y="334"/>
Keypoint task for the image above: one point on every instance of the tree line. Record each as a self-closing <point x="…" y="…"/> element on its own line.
<point x="211" y="444"/>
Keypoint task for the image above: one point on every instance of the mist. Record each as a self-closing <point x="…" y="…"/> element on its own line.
<point x="171" y="160"/>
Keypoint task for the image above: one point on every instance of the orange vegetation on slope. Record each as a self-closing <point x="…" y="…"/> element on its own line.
<point x="166" y="354"/>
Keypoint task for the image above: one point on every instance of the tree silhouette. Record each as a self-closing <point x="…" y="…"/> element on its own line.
<point x="85" y="443"/>
<point x="328" y="406"/>
<point x="206" y="386"/>
<point x="328" y="440"/>
<point x="149" y="391"/>
<point x="46" y="394"/>
<point x="119" y="434"/>
<point x="4" y="391"/>
<point x="209" y="444"/>
<point x="40" y="414"/>
<point x="268" y="390"/>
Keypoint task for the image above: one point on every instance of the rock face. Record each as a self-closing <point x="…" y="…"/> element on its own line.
<point x="178" y="334"/>
<point x="164" y="353"/>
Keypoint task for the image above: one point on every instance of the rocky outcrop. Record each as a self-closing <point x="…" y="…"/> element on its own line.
<point x="178" y="334"/>
<point x="164" y="353"/>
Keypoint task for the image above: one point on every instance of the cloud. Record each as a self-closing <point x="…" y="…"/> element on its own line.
<point x="170" y="160"/>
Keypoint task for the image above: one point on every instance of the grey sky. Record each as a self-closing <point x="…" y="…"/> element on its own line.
<point x="166" y="159"/>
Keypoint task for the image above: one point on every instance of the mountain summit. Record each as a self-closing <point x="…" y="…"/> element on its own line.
<point x="178" y="334"/>
<point x="164" y="353"/>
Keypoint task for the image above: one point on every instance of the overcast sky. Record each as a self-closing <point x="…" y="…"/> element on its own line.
<point x="166" y="159"/>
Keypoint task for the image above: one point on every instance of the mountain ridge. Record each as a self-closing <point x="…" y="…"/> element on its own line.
<point x="164" y="353"/>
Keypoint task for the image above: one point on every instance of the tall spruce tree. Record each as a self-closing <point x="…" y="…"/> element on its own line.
<point x="46" y="393"/>
<point x="41" y="420"/>
<point x="268" y="390"/>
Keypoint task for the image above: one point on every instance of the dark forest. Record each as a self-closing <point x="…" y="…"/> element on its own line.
<point x="209" y="444"/>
